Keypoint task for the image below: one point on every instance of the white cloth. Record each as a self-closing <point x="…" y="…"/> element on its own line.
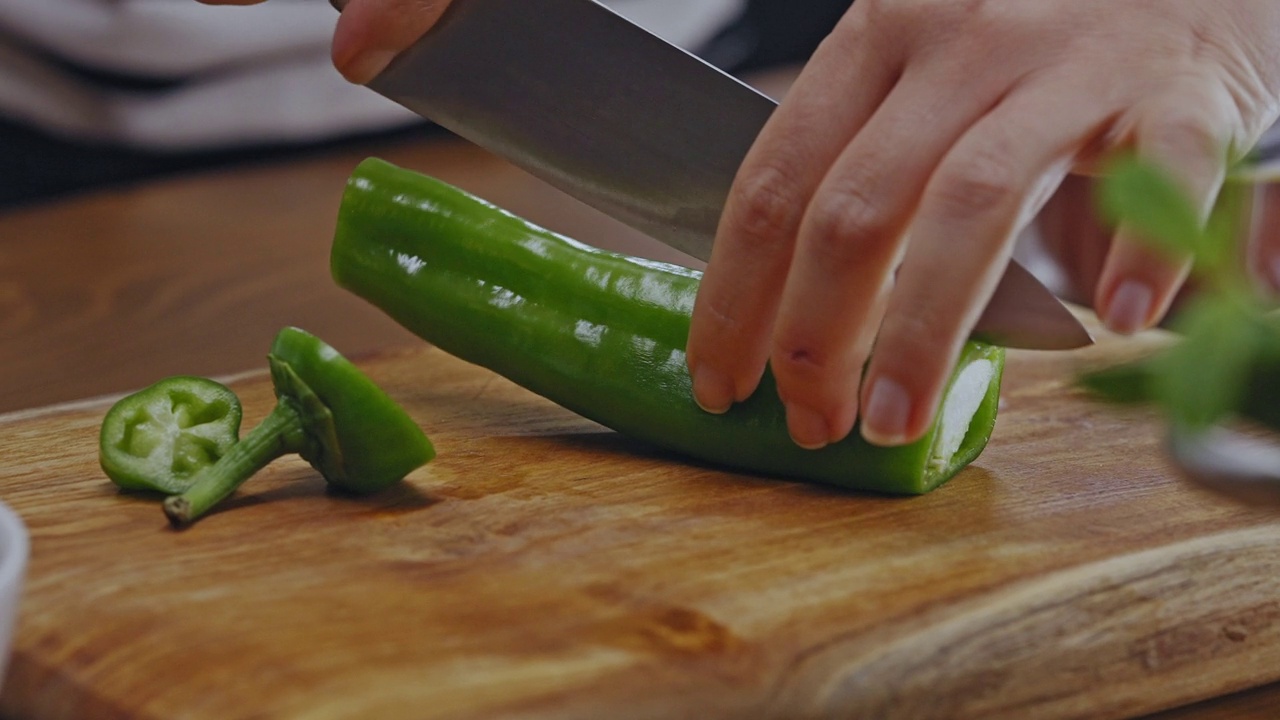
<point x="687" y="23"/>
<point x="240" y="74"/>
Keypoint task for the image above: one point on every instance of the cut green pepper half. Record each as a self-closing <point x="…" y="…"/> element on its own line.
<point x="603" y="334"/>
<point x="365" y="441"/>
<point x="328" y="412"/>
<point x="159" y="438"/>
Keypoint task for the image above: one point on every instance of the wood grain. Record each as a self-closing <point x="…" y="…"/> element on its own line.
<point x="542" y="567"/>
<point x="106" y="292"/>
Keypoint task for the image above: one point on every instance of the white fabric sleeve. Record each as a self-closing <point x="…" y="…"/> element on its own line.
<point x="240" y="75"/>
<point x="167" y="38"/>
<point x="291" y="99"/>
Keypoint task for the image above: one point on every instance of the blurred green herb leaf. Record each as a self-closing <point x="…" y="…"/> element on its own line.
<point x="1127" y="383"/>
<point x="1219" y="258"/>
<point x="1205" y="377"/>
<point x="1227" y="339"/>
<point x="1142" y="196"/>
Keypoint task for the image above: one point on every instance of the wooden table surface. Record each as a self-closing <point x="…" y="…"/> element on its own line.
<point x="103" y="293"/>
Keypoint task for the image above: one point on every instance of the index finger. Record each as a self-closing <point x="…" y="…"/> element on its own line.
<point x="739" y="296"/>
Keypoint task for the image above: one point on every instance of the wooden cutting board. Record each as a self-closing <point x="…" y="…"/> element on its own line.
<point x="542" y="567"/>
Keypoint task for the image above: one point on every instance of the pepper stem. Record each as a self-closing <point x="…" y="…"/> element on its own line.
<point x="280" y="433"/>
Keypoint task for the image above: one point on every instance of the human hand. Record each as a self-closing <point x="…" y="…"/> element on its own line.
<point x="956" y="121"/>
<point x="370" y="33"/>
<point x="1075" y="240"/>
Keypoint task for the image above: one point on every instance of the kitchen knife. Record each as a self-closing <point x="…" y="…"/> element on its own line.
<point x="627" y="123"/>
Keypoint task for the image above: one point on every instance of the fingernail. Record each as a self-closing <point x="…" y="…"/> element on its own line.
<point x="1130" y="308"/>
<point x="712" y="390"/>
<point x="888" y="410"/>
<point x="808" y="429"/>
<point x="366" y="65"/>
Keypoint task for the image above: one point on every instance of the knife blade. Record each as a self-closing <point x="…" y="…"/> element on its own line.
<point x="631" y="125"/>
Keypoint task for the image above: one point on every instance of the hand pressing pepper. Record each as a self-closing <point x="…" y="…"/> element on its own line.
<point x="890" y="184"/>
<point x="179" y="436"/>
<point x="603" y="334"/>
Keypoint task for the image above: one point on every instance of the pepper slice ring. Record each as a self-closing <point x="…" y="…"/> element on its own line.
<point x="160" y="437"/>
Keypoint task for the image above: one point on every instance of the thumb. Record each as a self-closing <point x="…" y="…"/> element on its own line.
<point x="371" y="33"/>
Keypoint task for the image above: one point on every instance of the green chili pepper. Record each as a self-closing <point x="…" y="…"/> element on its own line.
<point x="158" y="438"/>
<point x="603" y="334"/>
<point x="328" y="412"/>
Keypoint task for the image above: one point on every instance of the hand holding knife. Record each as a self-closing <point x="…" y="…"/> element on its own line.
<point x="877" y="207"/>
<point x="639" y="129"/>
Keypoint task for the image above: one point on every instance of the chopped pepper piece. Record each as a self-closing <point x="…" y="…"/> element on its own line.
<point x="603" y="334"/>
<point x="328" y="412"/>
<point x="159" y="438"/>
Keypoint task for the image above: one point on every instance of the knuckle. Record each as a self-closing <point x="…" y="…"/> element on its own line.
<point x="914" y="334"/>
<point x="767" y="207"/>
<point x="724" y="318"/>
<point x="727" y="329"/>
<point x="974" y="185"/>
<point x="797" y="359"/>
<point x="1181" y="134"/>
<point x="1187" y="142"/>
<point x="816" y="357"/>
<point x="797" y="362"/>
<point x="848" y="228"/>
